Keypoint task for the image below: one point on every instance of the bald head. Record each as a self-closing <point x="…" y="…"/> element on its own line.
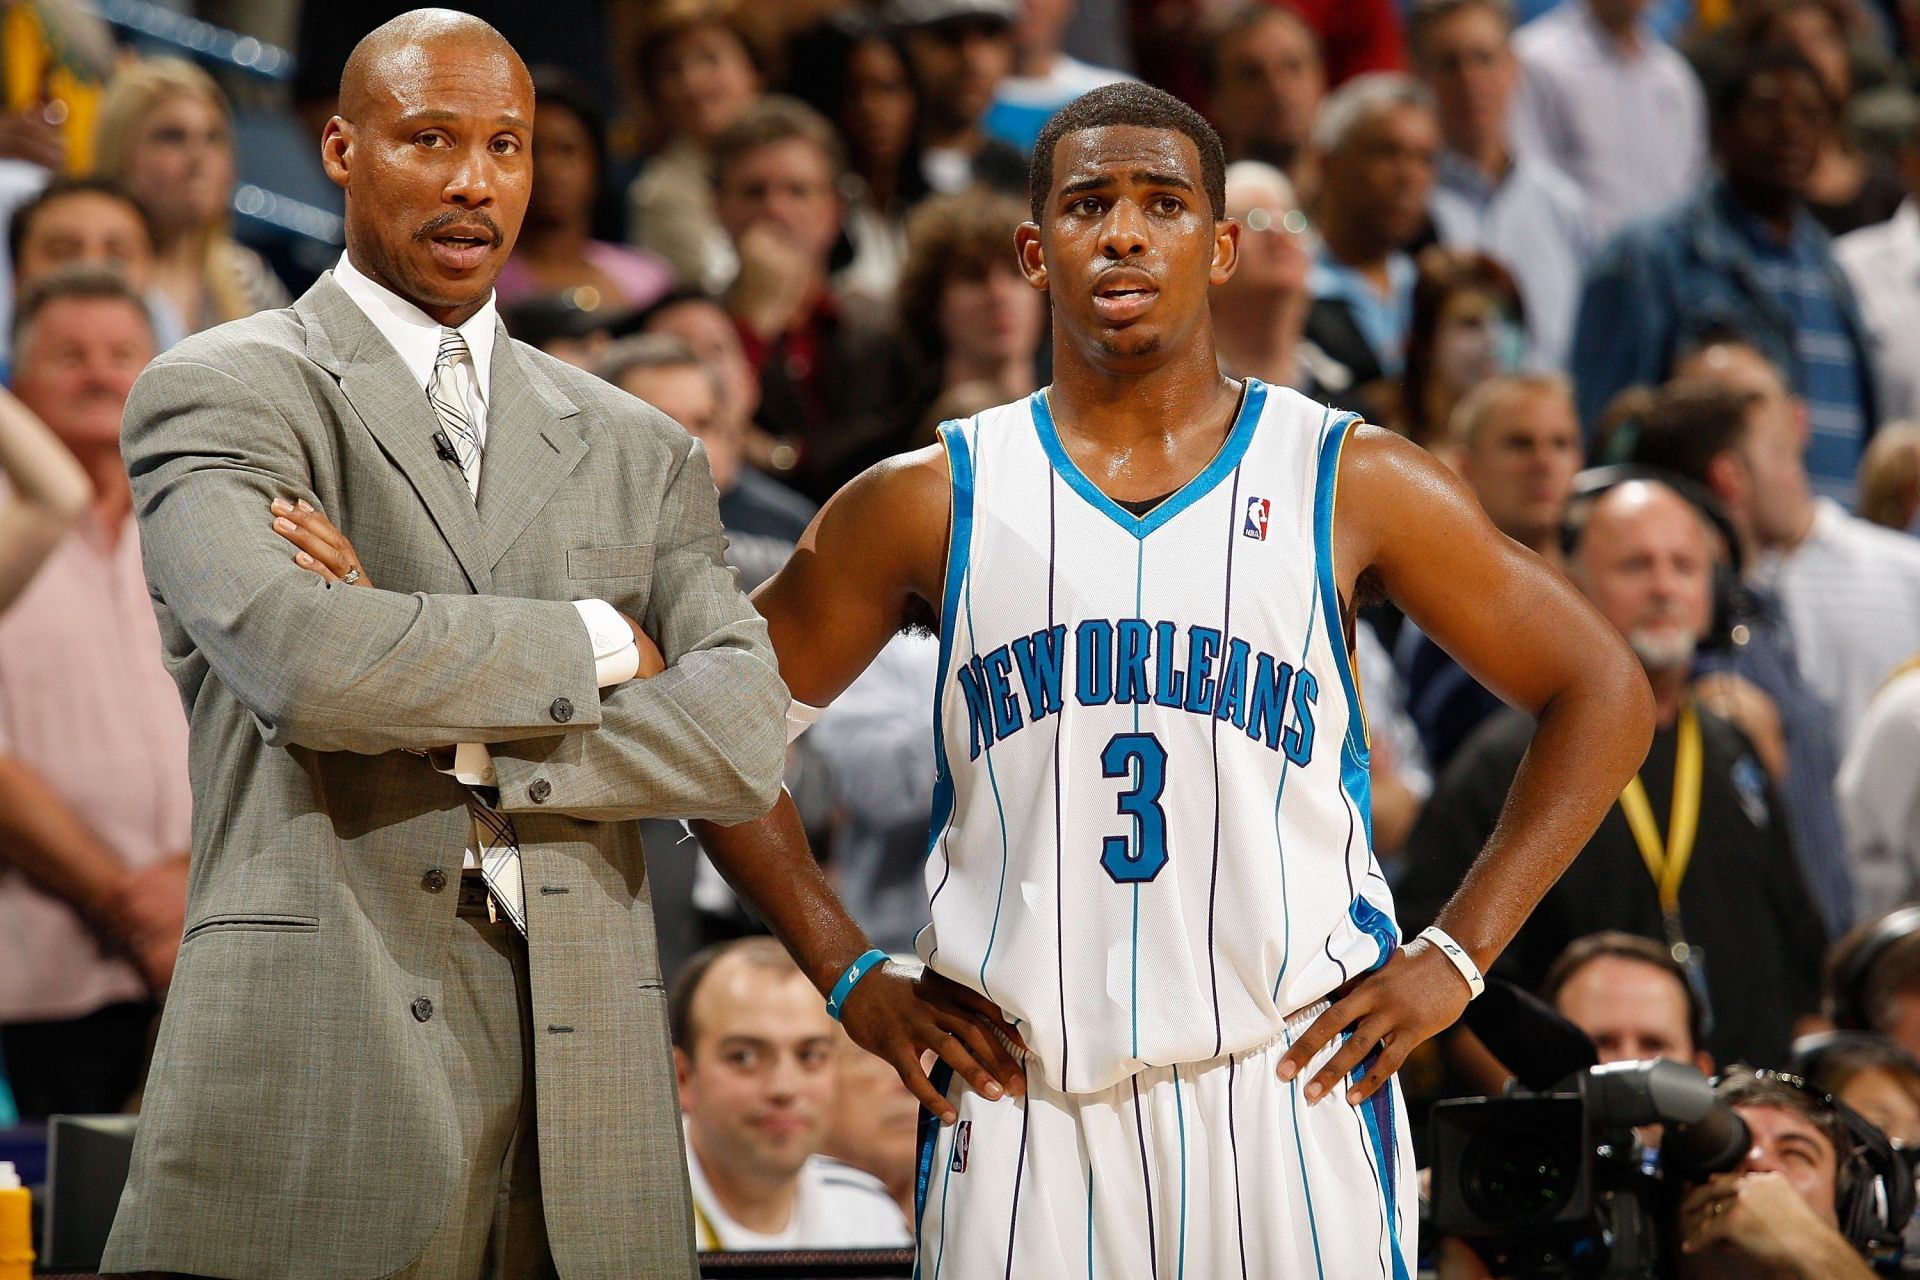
<point x="400" y="46"/>
<point x="1646" y="560"/>
<point x="434" y="147"/>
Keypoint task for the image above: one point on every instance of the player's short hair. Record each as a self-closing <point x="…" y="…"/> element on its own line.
<point x="1129" y="103"/>
<point x="1360" y="99"/>
<point x="777" y="118"/>
<point x="60" y="189"/>
<point x="1619" y="945"/>
<point x="759" y="951"/>
<point x="83" y="283"/>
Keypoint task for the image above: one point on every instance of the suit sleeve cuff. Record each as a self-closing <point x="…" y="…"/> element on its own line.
<point x="616" y="659"/>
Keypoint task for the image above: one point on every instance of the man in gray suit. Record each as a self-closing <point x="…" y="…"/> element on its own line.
<point x="374" y="1061"/>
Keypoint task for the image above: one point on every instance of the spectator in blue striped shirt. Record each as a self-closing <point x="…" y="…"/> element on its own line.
<point x="1743" y="254"/>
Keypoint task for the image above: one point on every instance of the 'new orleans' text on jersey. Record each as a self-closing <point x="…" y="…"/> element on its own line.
<point x="1131" y="660"/>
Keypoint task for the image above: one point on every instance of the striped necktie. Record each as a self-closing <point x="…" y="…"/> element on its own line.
<point x="451" y="406"/>
<point x="493" y="834"/>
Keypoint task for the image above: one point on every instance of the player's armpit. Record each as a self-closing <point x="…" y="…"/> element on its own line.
<point x="876" y="546"/>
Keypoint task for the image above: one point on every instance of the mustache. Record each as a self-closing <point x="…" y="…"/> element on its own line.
<point x="456" y="218"/>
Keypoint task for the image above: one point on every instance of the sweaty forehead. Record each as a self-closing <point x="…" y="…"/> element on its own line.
<point x="464" y="74"/>
<point x="1118" y="151"/>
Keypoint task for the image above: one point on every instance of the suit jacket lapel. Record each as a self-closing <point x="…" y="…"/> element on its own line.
<point x="533" y="444"/>
<point x="376" y="383"/>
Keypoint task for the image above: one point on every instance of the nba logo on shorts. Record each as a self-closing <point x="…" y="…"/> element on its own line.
<point x="1257" y="509"/>
<point x="962" y="1138"/>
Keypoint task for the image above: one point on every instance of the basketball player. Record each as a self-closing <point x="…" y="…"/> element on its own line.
<point x="1149" y="865"/>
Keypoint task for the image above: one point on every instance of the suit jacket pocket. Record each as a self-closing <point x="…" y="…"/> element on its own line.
<point x="252" y="922"/>
<point x="632" y="566"/>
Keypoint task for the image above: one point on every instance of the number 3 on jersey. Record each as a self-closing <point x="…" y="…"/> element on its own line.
<point x="1139" y="858"/>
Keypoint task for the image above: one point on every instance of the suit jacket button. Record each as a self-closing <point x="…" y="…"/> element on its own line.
<point x="422" y="1009"/>
<point x="561" y="710"/>
<point x="539" y="790"/>
<point x="434" y="881"/>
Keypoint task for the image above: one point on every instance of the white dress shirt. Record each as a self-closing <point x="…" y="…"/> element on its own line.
<point x="1534" y="220"/>
<point x="836" y="1206"/>
<point x="415" y="337"/>
<point x="1882" y="263"/>
<point x="1629" y="128"/>
<point x="1852" y="596"/>
<point x="1880" y="797"/>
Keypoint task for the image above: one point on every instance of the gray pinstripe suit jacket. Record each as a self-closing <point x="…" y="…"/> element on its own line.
<point x="298" y="1122"/>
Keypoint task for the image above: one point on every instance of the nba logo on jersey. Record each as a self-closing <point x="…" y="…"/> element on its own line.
<point x="962" y="1139"/>
<point x="1257" y="511"/>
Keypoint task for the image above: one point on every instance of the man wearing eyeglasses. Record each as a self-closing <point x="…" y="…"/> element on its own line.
<point x="1779" y="1214"/>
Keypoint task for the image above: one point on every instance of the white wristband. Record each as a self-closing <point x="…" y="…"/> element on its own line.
<point x="1456" y="956"/>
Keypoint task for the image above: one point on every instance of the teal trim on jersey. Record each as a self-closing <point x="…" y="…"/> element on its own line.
<point x="1355" y="779"/>
<point x="1180" y="1114"/>
<point x="1326" y="481"/>
<point x="986" y="753"/>
<point x="929" y="1137"/>
<point x="1379" y="1144"/>
<point x="942" y="1083"/>
<point x="959" y="549"/>
<point x="1239" y="436"/>
<point x="1299" y="1153"/>
<point x="1089" y="1222"/>
<point x="1377" y="925"/>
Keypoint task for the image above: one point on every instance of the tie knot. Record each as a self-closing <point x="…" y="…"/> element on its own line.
<point x="453" y="348"/>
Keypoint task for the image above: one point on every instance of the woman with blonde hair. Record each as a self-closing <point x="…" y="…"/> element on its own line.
<point x="166" y="135"/>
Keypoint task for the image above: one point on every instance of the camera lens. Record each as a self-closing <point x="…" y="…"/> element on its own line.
<point x="1520" y="1171"/>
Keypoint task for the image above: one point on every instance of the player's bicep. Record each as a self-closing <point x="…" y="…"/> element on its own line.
<point x="845" y="591"/>
<point x="1514" y="623"/>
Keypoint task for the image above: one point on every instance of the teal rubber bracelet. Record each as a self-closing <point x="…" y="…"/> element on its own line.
<point x="851" y="979"/>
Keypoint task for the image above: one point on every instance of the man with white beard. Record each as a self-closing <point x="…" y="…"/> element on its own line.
<point x="1696" y="853"/>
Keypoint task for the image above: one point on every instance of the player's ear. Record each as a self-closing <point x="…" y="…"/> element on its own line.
<point x="1033" y="262"/>
<point x="1226" y="250"/>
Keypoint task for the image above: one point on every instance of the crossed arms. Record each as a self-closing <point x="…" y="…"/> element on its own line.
<point x="372" y="671"/>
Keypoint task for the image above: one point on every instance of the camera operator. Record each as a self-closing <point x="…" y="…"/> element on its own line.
<point x="1778" y="1214"/>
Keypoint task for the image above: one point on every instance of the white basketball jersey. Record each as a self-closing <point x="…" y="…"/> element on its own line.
<point x="1151" y="826"/>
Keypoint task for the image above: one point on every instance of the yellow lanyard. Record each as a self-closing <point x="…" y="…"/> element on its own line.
<point x="1668" y="864"/>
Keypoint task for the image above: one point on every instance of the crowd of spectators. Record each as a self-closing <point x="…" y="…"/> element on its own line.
<point x="1646" y="275"/>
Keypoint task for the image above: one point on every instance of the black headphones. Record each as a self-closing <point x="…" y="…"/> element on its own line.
<point x="1877" y="1199"/>
<point x="1876" y="1194"/>
<point x="1731" y="604"/>
<point x="1854" y="963"/>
